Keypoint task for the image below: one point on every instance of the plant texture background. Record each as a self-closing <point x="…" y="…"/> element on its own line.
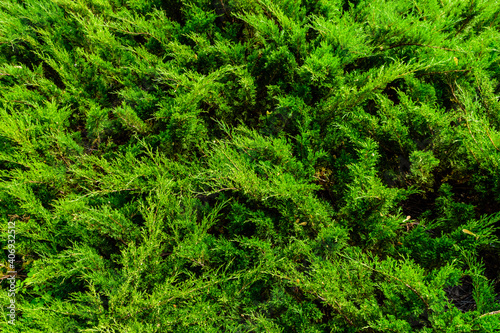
<point x="251" y="165"/>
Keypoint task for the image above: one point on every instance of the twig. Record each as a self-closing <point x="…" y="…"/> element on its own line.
<point x="446" y="72"/>
<point x="489" y="137"/>
<point x="490" y="313"/>
<point x="391" y="276"/>
<point x="465" y="111"/>
<point x="338" y="308"/>
<point x="422" y="45"/>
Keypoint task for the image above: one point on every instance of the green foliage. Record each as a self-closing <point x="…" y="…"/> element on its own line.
<point x="422" y="166"/>
<point x="250" y="166"/>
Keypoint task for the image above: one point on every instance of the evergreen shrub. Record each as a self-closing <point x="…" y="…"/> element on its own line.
<point x="250" y="166"/>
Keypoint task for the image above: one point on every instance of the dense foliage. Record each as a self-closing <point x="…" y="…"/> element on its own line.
<point x="251" y="165"/>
